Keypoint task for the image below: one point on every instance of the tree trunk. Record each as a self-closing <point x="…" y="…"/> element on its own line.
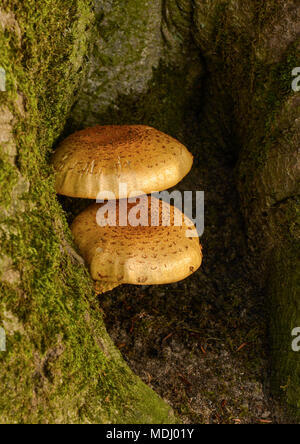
<point x="252" y="49"/>
<point x="59" y="365"/>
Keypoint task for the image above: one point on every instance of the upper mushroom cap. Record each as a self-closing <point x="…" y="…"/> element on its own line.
<point x="99" y="159"/>
<point x="143" y="255"/>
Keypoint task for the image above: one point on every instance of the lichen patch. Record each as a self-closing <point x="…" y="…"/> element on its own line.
<point x="8" y="273"/>
<point x="8" y="21"/>
<point x="11" y="323"/>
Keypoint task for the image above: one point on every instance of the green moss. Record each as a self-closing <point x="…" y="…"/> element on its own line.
<point x="60" y="365"/>
<point x="8" y="176"/>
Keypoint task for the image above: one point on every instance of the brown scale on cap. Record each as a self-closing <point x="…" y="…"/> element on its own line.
<point x="100" y="158"/>
<point x="142" y="255"/>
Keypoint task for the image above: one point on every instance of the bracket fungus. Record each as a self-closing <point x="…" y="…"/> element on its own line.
<point x="163" y="246"/>
<point x="99" y="159"/>
<point x="163" y="249"/>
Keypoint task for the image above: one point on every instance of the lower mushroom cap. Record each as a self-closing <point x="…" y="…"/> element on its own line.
<point x="140" y="255"/>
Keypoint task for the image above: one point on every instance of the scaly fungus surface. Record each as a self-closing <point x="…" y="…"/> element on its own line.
<point x="101" y="158"/>
<point x="163" y="250"/>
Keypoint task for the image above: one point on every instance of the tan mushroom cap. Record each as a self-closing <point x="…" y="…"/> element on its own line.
<point x="140" y="255"/>
<point x="98" y="159"/>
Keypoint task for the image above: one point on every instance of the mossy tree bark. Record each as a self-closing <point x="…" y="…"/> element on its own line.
<point x="59" y="364"/>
